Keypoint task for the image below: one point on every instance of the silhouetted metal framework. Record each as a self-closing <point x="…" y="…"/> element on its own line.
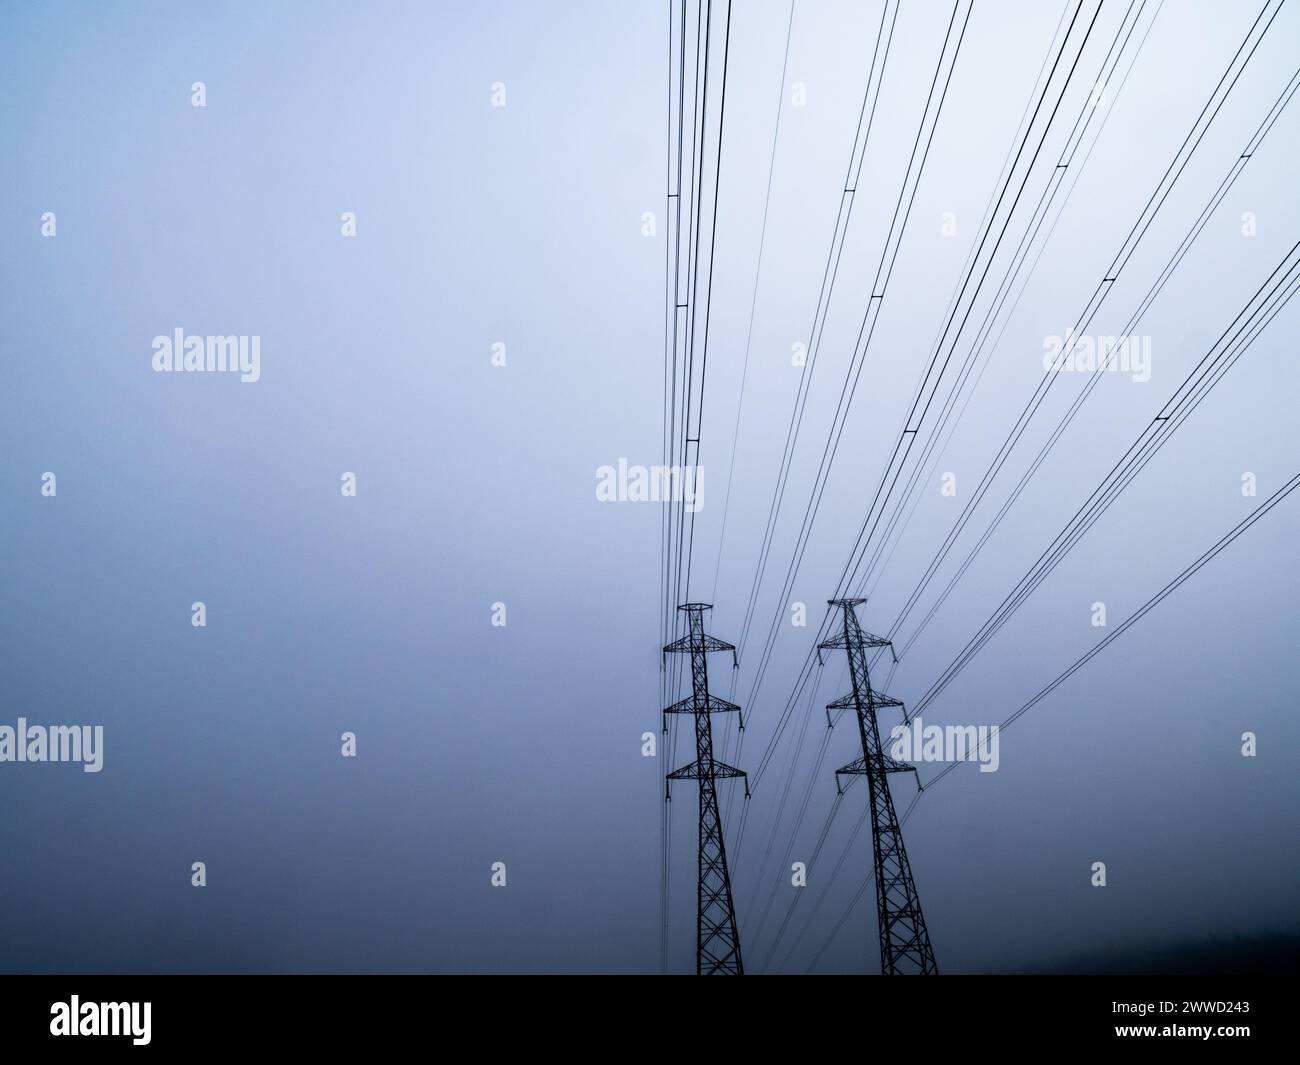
<point x="904" y="941"/>
<point x="717" y="942"/>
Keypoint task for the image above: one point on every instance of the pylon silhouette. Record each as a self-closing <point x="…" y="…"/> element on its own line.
<point x="904" y="941"/>
<point x="717" y="944"/>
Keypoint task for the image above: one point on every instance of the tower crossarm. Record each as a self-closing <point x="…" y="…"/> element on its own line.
<point x="858" y="767"/>
<point x="697" y="642"/>
<point x="874" y="698"/>
<point x="839" y="642"/>
<point x="714" y="705"/>
<point x="714" y="769"/>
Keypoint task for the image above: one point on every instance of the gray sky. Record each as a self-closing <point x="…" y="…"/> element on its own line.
<point x="476" y="484"/>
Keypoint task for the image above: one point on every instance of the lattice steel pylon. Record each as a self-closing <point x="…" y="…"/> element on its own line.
<point x="717" y="945"/>
<point x="904" y="942"/>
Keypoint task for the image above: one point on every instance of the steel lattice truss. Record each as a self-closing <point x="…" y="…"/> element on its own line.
<point x="904" y="941"/>
<point x="717" y="942"/>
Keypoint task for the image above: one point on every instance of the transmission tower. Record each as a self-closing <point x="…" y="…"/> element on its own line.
<point x="717" y="950"/>
<point x="904" y="941"/>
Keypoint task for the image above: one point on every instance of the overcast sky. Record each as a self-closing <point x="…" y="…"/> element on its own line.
<point x="523" y="225"/>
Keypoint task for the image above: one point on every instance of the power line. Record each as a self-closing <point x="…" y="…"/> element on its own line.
<point x="1102" y="290"/>
<point x="870" y="97"/>
<point x="1239" y="164"/>
<point x="866" y="331"/>
<point x="672" y="250"/>
<point x="691" y="383"/>
<point x="1190" y="571"/>
<point x="830" y="273"/>
<point x="1263" y="306"/>
<point x="1025" y="121"/>
<point x="749" y="339"/>
<point x="908" y="433"/>
<point x="1187" y="573"/>
<point x="753" y="303"/>
<point x="1065" y="165"/>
